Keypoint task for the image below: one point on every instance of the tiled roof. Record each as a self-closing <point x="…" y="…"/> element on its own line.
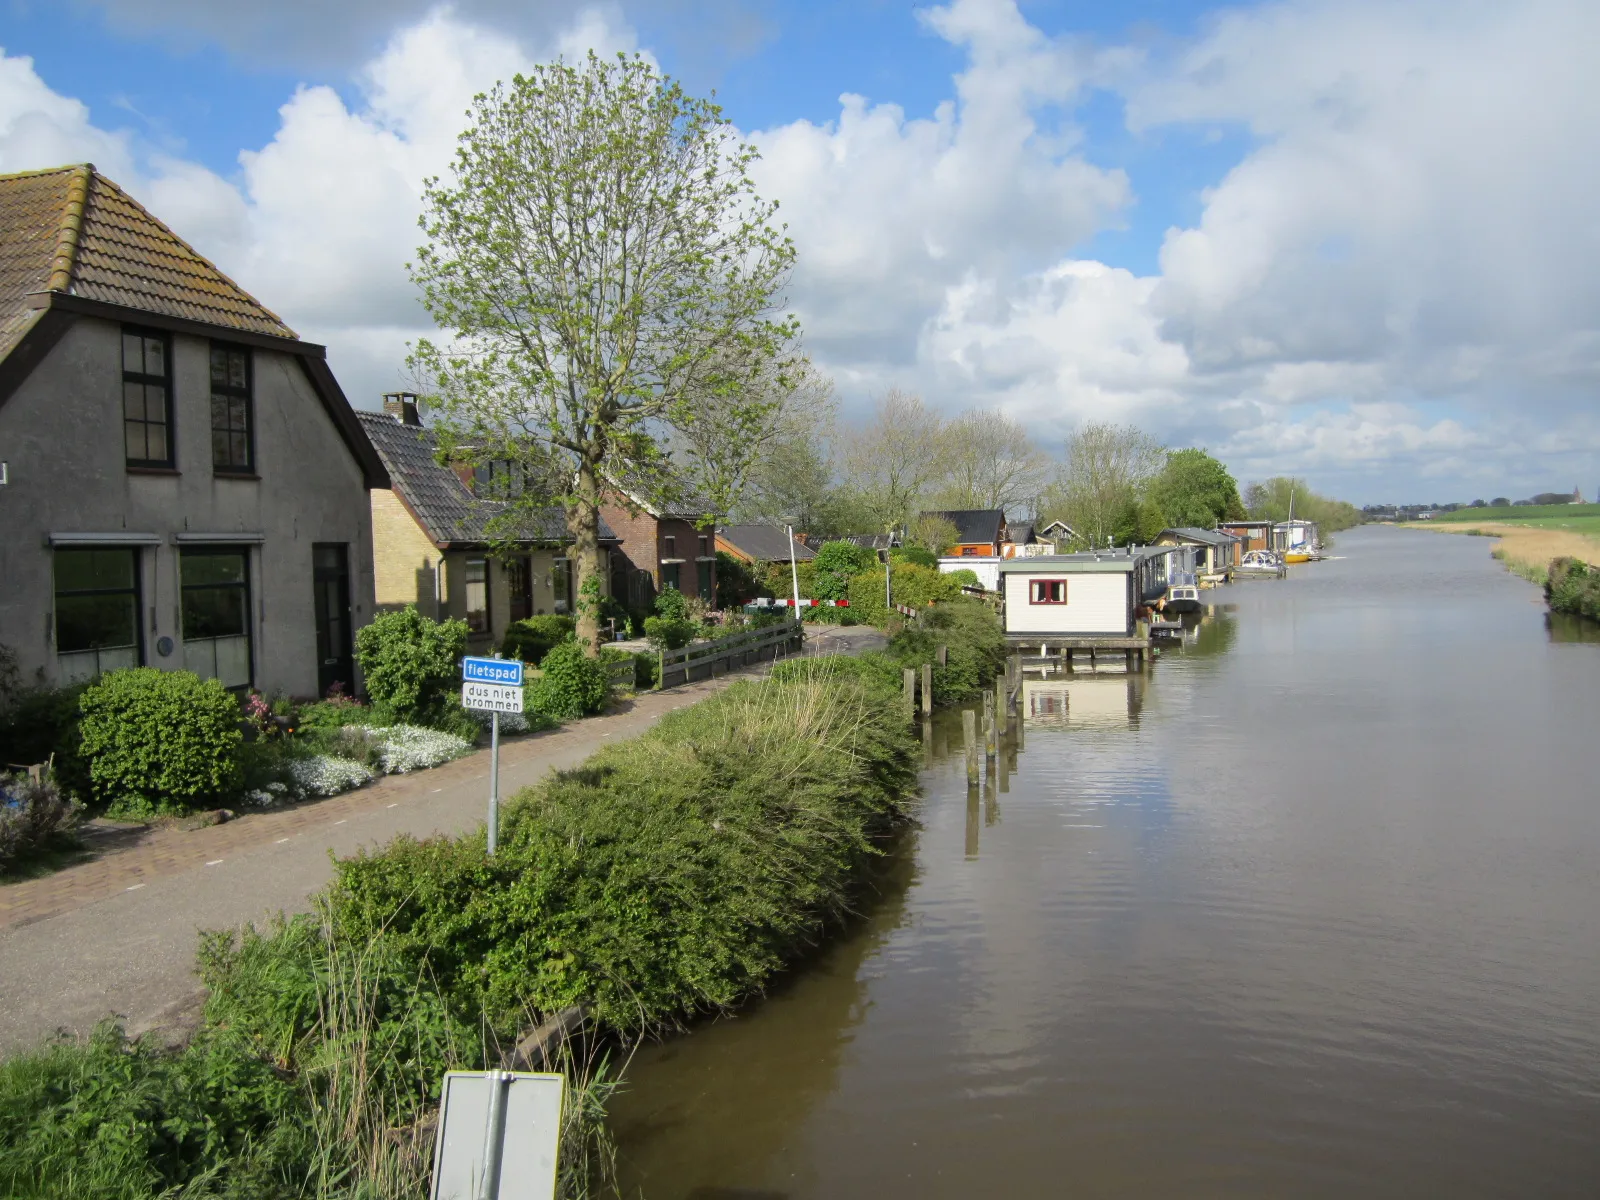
<point x="445" y="506"/>
<point x="973" y="524"/>
<point x="72" y="231"/>
<point x="765" y="543"/>
<point x="1210" y="537"/>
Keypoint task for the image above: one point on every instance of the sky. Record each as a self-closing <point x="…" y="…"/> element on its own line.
<point x="1351" y="240"/>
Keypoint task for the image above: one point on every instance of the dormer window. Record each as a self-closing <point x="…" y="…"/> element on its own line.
<point x="498" y="479"/>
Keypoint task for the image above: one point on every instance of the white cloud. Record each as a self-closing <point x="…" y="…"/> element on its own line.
<point x="1400" y="275"/>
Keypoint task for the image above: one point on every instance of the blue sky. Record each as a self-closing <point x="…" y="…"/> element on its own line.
<point x="1346" y="240"/>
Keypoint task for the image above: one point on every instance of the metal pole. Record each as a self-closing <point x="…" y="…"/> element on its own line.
<point x="494" y="1136"/>
<point x="888" y="588"/>
<point x="494" y="782"/>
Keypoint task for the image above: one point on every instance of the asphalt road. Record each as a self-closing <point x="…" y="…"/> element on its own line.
<point x="132" y="952"/>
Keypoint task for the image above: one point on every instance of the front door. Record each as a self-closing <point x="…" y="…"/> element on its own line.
<point x="519" y="582"/>
<point x="330" y="563"/>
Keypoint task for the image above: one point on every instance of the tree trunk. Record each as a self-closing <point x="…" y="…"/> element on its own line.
<point x="583" y="522"/>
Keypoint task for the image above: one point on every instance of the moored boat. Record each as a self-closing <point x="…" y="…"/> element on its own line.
<point x="1182" y="598"/>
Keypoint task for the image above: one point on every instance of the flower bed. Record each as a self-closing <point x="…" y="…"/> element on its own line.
<point x="403" y="748"/>
<point x="325" y="775"/>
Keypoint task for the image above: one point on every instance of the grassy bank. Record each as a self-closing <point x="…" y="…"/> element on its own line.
<point x="1527" y="546"/>
<point x="667" y="877"/>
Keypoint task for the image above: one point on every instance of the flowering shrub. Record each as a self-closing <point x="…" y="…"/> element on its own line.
<point x="403" y="748"/>
<point x="325" y="775"/>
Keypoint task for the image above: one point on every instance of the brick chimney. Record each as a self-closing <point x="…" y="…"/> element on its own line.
<point x="402" y="406"/>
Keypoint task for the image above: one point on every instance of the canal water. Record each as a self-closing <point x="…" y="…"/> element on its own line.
<point x="1312" y="909"/>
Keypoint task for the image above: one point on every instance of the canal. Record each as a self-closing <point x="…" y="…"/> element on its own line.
<point x="1312" y="909"/>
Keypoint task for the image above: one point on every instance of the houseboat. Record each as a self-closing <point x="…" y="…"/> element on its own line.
<point x="1088" y="595"/>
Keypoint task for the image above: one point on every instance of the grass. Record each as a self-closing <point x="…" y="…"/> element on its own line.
<point x="1527" y="546"/>
<point x="1522" y="512"/>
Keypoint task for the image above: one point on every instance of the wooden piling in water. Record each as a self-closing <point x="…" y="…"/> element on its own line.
<point x="989" y="744"/>
<point x="1000" y="706"/>
<point x="969" y="739"/>
<point x="927" y="689"/>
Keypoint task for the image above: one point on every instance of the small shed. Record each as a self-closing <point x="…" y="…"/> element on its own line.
<point x="1213" y="550"/>
<point x="1082" y="595"/>
<point x="1252" y="535"/>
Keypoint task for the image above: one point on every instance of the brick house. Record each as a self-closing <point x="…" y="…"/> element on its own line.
<point x="659" y="546"/>
<point x="431" y="537"/>
<point x="184" y="483"/>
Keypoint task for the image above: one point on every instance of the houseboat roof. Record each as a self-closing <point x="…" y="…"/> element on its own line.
<point x="1085" y="562"/>
<point x="1191" y="533"/>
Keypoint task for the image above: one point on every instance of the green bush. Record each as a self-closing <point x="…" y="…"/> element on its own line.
<point x="914" y="586"/>
<point x="835" y="565"/>
<point x="1572" y="586"/>
<point x="335" y="714"/>
<point x="920" y="555"/>
<point x="116" y="1119"/>
<point x="965" y="576"/>
<point x="669" y="633"/>
<point x="160" y="741"/>
<point x="646" y="670"/>
<point x="412" y="665"/>
<point x="672" y="603"/>
<point x="41" y="725"/>
<point x="532" y="639"/>
<point x="573" y="684"/>
<point x="671" y="874"/>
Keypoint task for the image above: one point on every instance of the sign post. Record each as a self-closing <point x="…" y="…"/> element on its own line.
<point x="492" y="685"/>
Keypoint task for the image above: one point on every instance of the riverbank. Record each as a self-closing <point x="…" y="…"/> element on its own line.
<point x="1527" y="548"/>
<point x="667" y="876"/>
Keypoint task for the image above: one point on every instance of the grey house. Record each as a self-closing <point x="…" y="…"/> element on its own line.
<point x="182" y="483"/>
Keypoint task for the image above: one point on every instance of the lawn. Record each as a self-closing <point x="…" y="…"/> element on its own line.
<point x="1583" y="517"/>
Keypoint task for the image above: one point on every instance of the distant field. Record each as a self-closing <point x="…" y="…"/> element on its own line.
<point x="1532" y="513"/>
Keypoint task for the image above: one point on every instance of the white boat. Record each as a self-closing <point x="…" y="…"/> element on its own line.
<point x="1259" y="564"/>
<point x="1182" y="598"/>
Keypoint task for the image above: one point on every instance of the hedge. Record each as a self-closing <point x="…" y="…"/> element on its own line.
<point x="1572" y="586"/>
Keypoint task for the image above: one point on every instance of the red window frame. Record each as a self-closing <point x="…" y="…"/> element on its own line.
<point x="1034" y="590"/>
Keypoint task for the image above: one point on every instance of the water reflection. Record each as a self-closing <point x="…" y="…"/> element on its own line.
<point x="1564" y="627"/>
<point x="1278" y="918"/>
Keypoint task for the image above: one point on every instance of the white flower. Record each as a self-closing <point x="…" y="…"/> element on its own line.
<point x="324" y="775"/>
<point x="403" y="748"/>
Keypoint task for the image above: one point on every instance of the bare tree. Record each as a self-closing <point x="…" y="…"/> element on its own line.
<point x="894" y="462"/>
<point x="1106" y="471"/>
<point x="992" y="463"/>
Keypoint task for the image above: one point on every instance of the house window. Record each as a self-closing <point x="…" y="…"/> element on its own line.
<point x="669" y="575"/>
<point x="671" y="544"/>
<point x="1047" y="591"/>
<point x="97" y="612"/>
<point x="477" y="595"/>
<point x="216" y="615"/>
<point x="705" y="546"/>
<point x="561" y="585"/>
<point x="498" y="479"/>
<point x="232" y="436"/>
<point x="147" y="398"/>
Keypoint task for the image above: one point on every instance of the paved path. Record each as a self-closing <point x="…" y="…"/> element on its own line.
<point x="118" y="934"/>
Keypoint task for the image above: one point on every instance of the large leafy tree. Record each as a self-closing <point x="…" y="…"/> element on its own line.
<point x="1195" y="489"/>
<point x="602" y="270"/>
<point x="1103" y="482"/>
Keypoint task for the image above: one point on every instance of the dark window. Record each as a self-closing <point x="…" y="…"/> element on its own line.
<point x="147" y="398"/>
<point x="1047" y="591"/>
<point x="97" y="612"/>
<point x="561" y="584"/>
<point x="477" y="578"/>
<point x="671" y="544"/>
<point x="704" y="580"/>
<point x="232" y="434"/>
<point x="669" y="575"/>
<point x="498" y="479"/>
<point x="216" y="615"/>
<point x="705" y="546"/>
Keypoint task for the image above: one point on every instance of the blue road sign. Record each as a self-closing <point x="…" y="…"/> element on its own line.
<point x="506" y="671"/>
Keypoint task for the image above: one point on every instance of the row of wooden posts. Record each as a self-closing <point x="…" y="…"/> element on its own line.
<point x="999" y="709"/>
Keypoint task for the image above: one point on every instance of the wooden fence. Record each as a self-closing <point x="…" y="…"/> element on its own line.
<point x="739" y="650"/>
<point x="622" y="673"/>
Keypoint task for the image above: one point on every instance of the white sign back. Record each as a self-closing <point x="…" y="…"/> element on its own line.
<point x="499" y="1134"/>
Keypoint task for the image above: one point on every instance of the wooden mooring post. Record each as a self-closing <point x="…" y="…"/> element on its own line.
<point x="969" y="739"/>
<point x="908" y="680"/>
<point x="942" y="655"/>
<point x="988" y="726"/>
<point x="927" y="689"/>
<point x="999" y="703"/>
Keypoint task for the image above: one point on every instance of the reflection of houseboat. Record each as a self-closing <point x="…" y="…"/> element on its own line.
<point x="1082" y="702"/>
